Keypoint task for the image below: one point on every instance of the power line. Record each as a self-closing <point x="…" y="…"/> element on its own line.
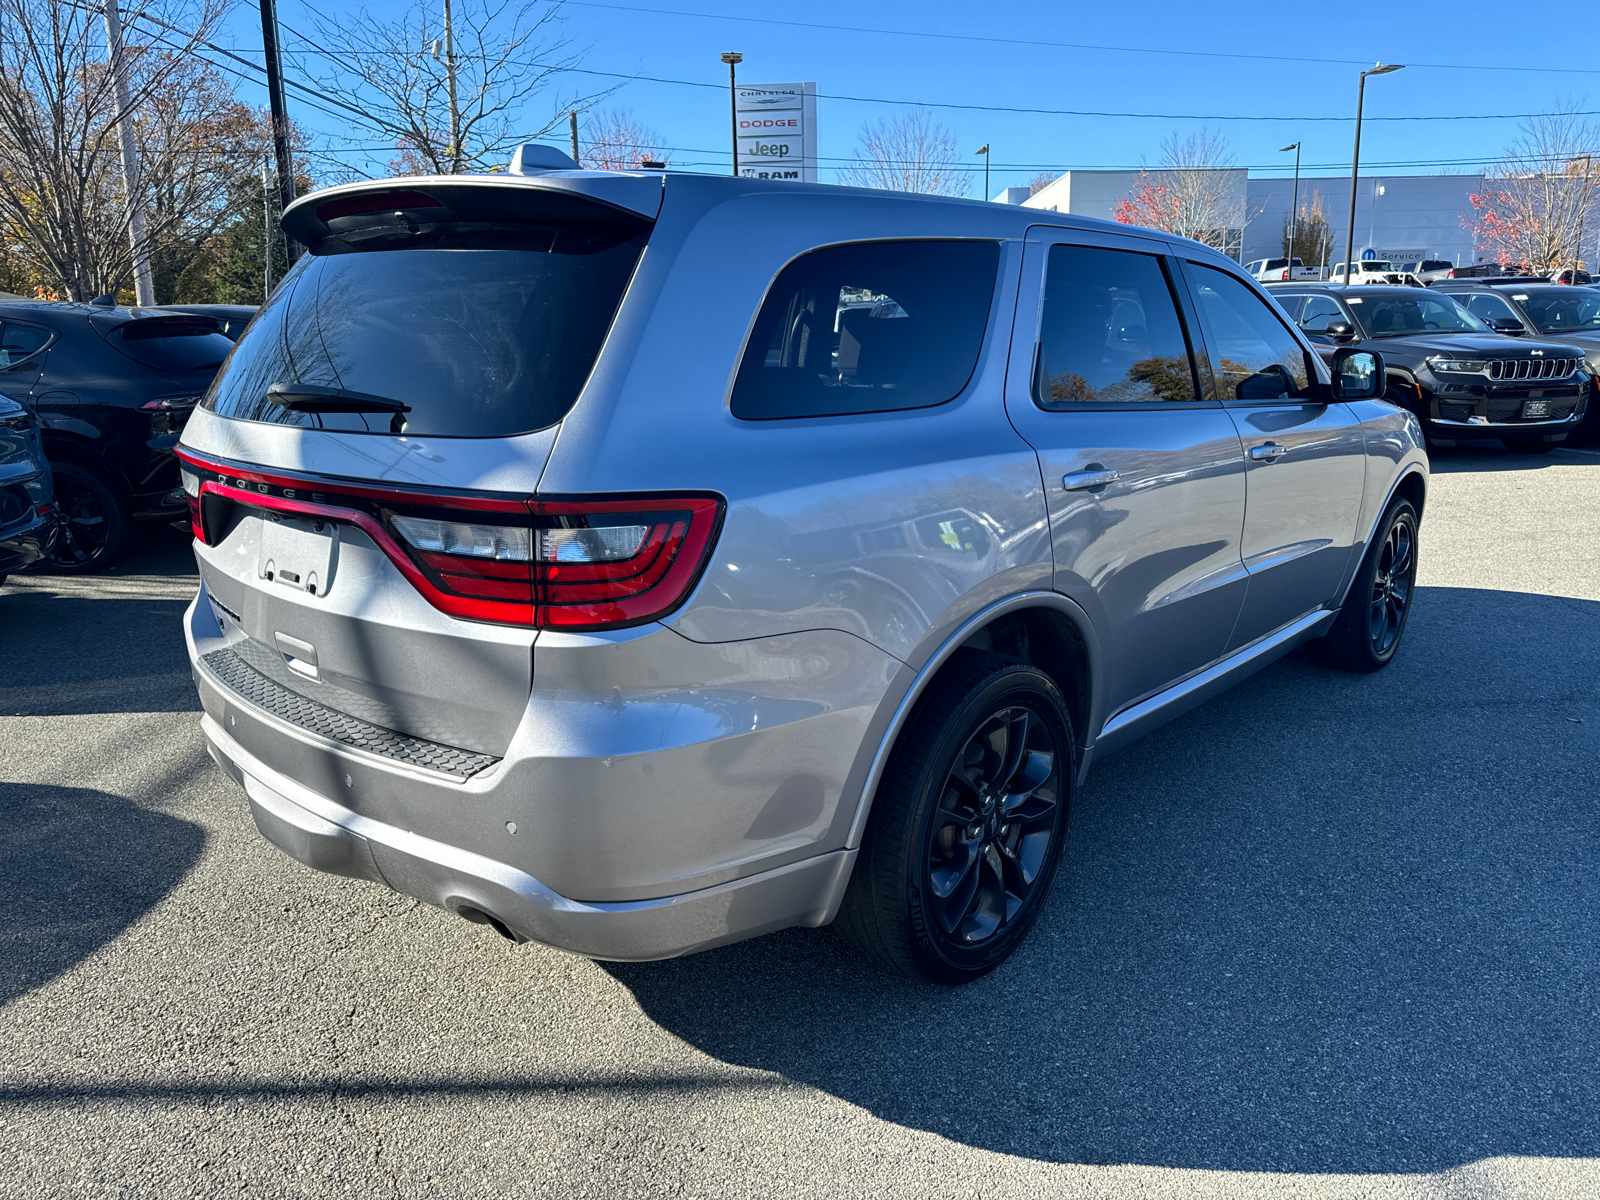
<point x="1002" y="41"/>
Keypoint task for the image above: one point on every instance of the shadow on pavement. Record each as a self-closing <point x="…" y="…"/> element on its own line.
<point x="1491" y="457"/>
<point x="1325" y="923"/>
<point x="79" y="866"/>
<point x="67" y="649"/>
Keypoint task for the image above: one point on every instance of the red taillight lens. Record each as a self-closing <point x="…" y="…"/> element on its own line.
<point x="581" y="565"/>
<point x="619" y="562"/>
<point x="567" y="564"/>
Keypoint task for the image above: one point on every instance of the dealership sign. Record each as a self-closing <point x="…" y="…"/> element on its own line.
<point x="777" y="130"/>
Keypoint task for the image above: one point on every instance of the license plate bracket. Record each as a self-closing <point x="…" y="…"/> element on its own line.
<point x="1535" y="408"/>
<point x="298" y="554"/>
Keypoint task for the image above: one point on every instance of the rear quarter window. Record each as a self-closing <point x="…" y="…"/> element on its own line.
<point x="169" y="344"/>
<point x="868" y="327"/>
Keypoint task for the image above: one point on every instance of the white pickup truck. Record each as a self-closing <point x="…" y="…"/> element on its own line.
<point x="1276" y="270"/>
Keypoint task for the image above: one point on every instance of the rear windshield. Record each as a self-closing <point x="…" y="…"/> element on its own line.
<point x="479" y="333"/>
<point x="172" y="345"/>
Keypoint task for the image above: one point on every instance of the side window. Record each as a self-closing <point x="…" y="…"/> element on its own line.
<point x="868" y="327"/>
<point x="1110" y="331"/>
<point x="1321" y="312"/>
<point x="17" y="342"/>
<point x="1489" y="307"/>
<point x="1254" y="356"/>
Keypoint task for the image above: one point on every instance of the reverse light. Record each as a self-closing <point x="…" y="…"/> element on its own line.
<point x="503" y="543"/>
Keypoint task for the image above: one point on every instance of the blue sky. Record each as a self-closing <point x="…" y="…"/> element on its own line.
<point x="1193" y="75"/>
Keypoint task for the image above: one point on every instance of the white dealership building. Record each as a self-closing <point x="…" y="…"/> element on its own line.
<point x="1401" y="217"/>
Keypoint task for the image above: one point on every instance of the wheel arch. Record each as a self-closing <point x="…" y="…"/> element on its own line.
<point x="1045" y="629"/>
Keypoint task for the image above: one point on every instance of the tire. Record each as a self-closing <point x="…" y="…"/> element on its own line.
<point x="96" y="531"/>
<point x="1527" y="445"/>
<point x="968" y="826"/>
<point x="1367" y="633"/>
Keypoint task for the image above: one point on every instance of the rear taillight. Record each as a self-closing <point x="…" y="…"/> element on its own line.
<point x="564" y="564"/>
<point x="581" y="565"/>
<point x="1285" y="273"/>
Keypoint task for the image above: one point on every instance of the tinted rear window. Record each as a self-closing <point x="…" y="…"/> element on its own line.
<point x="172" y="345"/>
<point x="484" y="331"/>
<point x="868" y="327"/>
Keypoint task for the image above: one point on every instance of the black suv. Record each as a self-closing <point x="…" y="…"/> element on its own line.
<point x="111" y="388"/>
<point x="1547" y="309"/>
<point x="1464" y="381"/>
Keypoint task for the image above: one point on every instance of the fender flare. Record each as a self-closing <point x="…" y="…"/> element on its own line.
<point x="952" y="643"/>
<point x="1410" y="470"/>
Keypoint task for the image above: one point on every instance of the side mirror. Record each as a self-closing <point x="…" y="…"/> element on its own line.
<point x="1508" y="325"/>
<point x="1357" y="374"/>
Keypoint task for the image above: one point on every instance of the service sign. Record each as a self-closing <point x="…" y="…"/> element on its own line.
<point x="777" y="128"/>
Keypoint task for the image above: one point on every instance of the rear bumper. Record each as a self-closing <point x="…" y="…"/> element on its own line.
<point x="329" y="837"/>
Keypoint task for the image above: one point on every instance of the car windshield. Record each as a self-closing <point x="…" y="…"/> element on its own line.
<point x="1406" y="312"/>
<point x="1376" y="264"/>
<point x="1561" y="311"/>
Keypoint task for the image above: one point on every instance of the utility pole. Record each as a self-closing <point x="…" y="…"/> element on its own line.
<point x="280" y="120"/>
<point x="266" y="233"/>
<point x="1583" y="209"/>
<point x="450" y="83"/>
<point x="144" y="287"/>
<point x="572" y="117"/>
<point x="733" y="59"/>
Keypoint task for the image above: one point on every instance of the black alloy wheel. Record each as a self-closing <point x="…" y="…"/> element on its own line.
<point x="1392" y="584"/>
<point x="992" y="827"/>
<point x="967" y="828"/>
<point x="1367" y="632"/>
<point x="95" y="530"/>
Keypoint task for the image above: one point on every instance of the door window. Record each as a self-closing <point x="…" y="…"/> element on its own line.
<point x="1320" y="312"/>
<point x="1110" y="332"/>
<point x="1254" y="355"/>
<point x="1487" y="307"/>
<point x="18" y="342"/>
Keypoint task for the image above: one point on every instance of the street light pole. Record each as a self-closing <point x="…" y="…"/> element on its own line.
<point x="984" y="150"/>
<point x="1355" y="165"/>
<point x="1294" y="209"/>
<point x="732" y="58"/>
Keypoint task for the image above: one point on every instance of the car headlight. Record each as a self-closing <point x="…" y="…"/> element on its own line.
<point x="1458" y="366"/>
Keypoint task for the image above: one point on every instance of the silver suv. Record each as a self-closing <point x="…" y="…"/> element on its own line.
<point x="635" y="563"/>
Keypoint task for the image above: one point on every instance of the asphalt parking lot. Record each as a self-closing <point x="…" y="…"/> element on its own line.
<point x="1326" y="936"/>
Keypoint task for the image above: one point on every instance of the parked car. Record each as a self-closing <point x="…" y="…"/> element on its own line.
<point x="1370" y="270"/>
<point x="27" y="511"/>
<point x="1263" y="269"/>
<point x="1548" y="310"/>
<point x="1579" y="277"/>
<point x="1429" y="269"/>
<point x="111" y="388"/>
<point x="1476" y="271"/>
<point x="1462" y="379"/>
<point x="231" y="319"/>
<point x="639" y="603"/>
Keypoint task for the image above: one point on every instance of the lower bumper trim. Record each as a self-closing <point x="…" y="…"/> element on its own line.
<point x="329" y="837"/>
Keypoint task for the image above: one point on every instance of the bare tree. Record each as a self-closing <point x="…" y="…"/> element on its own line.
<point x="615" y="140"/>
<point x="1041" y="181"/>
<point x="914" y="152"/>
<point x="1535" y="203"/>
<point x="1309" y="229"/>
<point x="1196" y="192"/>
<point x="61" y="191"/>
<point x="449" y="84"/>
